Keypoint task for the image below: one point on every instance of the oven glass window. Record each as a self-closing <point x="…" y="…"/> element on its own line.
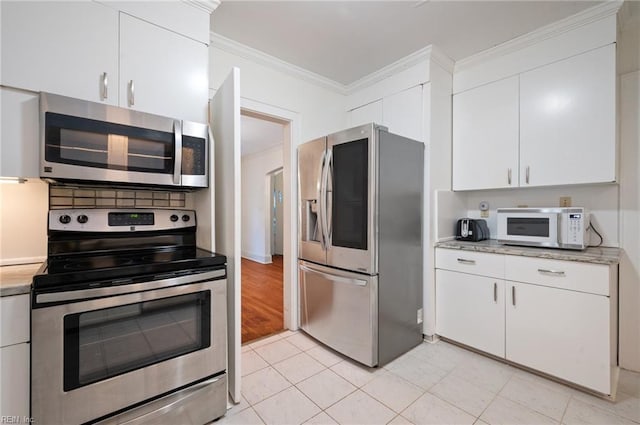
<point x="98" y="144"/>
<point x="350" y="194"/>
<point x="104" y="343"/>
<point x="528" y="226"/>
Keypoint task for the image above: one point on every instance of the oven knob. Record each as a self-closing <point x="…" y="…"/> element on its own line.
<point x="173" y="218"/>
<point x="82" y="219"/>
<point x="65" y="219"/>
<point x="186" y="218"/>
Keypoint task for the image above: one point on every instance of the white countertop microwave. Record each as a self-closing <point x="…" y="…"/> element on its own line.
<point x="565" y="228"/>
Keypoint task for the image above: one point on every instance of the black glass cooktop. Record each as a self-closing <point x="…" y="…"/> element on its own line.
<point x="100" y="269"/>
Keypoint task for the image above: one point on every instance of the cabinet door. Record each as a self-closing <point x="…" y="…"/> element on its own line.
<point x="162" y="72"/>
<point x="402" y="113"/>
<point x="568" y="121"/>
<point x="60" y="47"/>
<point x="470" y="310"/>
<point x="14" y="380"/>
<point x="485" y="136"/>
<point x="371" y="112"/>
<point x="560" y="332"/>
<point x="19" y="133"/>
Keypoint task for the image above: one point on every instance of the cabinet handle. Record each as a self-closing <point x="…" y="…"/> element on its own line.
<point x="464" y="261"/>
<point x="105" y="86"/>
<point x="495" y="292"/>
<point x="513" y="295"/>
<point x="509" y="176"/>
<point x="527" y="175"/>
<point x="132" y="93"/>
<point x="554" y="272"/>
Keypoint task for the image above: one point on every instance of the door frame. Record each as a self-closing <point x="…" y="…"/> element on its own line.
<point x="291" y="122"/>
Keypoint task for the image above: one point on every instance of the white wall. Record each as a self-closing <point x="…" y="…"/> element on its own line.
<point x="23" y="222"/>
<point x="600" y="200"/>
<point x="255" y="198"/>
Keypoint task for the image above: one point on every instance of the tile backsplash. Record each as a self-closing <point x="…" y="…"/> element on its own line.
<point x="61" y="196"/>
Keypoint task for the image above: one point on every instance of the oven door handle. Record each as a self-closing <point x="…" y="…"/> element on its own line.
<point x="85" y="294"/>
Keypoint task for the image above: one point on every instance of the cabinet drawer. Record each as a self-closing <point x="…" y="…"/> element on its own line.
<point x="14" y="319"/>
<point x="480" y="263"/>
<point x="583" y="277"/>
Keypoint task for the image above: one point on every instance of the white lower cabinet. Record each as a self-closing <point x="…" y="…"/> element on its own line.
<point x="14" y="380"/>
<point x="559" y="332"/>
<point x="470" y="308"/>
<point x="14" y="356"/>
<point x="556" y="317"/>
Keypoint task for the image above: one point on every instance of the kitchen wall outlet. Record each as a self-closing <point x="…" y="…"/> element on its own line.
<point x="565" y="201"/>
<point x="484" y="214"/>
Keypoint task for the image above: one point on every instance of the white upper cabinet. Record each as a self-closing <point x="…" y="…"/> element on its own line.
<point x="68" y="48"/>
<point x="19" y="133"/>
<point x="485" y="136"/>
<point x="371" y="112"/>
<point x="162" y="72"/>
<point x="568" y="121"/>
<point x="402" y="113"/>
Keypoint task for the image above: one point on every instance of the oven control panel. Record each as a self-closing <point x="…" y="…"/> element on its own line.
<point x="119" y="220"/>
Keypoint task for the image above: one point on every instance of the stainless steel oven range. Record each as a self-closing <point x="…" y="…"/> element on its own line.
<point x="128" y="321"/>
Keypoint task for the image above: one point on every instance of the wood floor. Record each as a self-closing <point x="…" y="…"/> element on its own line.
<point x="262" y="309"/>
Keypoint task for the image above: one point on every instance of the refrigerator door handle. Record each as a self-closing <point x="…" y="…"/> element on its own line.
<point x="334" y="278"/>
<point x="323" y="197"/>
<point x="321" y="201"/>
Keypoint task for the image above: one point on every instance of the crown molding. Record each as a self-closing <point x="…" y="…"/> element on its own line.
<point x="554" y="29"/>
<point x="207" y="5"/>
<point x="255" y="55"/>
<point x="389" y="70"/>
<point x="628" y="12"/>
<point x="441" y="58"/>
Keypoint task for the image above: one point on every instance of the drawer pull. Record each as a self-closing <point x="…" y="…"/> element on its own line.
<point x="495" y="292"/>
<point x="465" y="261"/>
<point x="513" y="295"/>
<point x="553" y="272"/>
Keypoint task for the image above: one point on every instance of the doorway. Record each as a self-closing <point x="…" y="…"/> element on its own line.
<point x="262" y="288"/>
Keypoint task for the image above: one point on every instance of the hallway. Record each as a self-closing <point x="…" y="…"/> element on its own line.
<point x="262" y="309"/>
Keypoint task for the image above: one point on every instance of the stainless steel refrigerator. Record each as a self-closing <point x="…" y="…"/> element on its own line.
<point x="360" y="242"/>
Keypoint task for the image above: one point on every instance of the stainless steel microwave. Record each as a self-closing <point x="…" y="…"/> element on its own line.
<point x="566" y="228"/>
<point x="87" y="141"/>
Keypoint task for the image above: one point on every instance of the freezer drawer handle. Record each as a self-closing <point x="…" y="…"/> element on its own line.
<point x="333" y="278"/>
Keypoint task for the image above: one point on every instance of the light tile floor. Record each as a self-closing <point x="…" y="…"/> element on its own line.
<point x="289" y="378"/>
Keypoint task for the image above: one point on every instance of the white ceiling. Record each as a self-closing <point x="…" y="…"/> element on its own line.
<point x="347" y="40"/>
<point x="259" y="135"/>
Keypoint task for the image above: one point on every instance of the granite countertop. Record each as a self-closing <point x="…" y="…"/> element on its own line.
<point x="16" y="280"/>
<point x="600" y="255"/>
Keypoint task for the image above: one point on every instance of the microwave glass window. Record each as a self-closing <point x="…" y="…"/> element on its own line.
<point x="97" y="144"/>
<point x="193" y="156"/>
<point x="144" y="155"/>
<point x="104" y="343"/>
<point x="527" y="226"/>
<point x="350" y="194"/>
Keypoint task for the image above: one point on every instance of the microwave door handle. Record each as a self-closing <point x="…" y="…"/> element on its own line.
<point x="177" y="165"/>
